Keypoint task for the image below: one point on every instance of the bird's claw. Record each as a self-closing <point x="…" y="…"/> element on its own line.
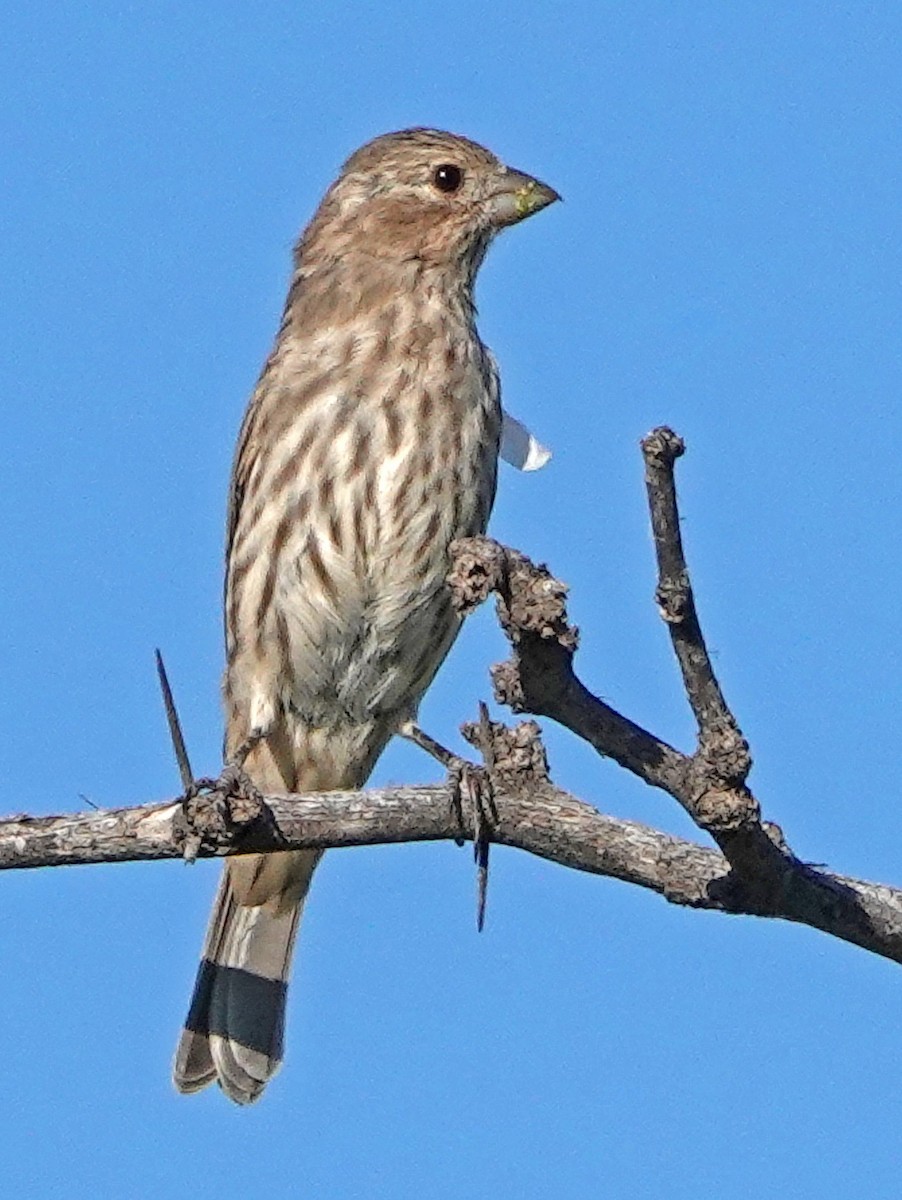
<point x="213" y="809"/>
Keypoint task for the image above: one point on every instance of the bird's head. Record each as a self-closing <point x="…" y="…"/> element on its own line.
<point x="423" y="195"/>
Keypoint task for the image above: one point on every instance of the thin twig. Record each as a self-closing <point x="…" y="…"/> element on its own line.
<point x="175" y="726"/>
<point x="674" y="596"/>
<point x="482" y="796"/>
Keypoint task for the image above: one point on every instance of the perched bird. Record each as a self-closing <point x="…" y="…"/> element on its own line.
<point x="370" y="443"/>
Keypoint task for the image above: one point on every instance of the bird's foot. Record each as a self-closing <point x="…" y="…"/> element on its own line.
<point x="472" y="803"/>
<point x="215" y="809"/>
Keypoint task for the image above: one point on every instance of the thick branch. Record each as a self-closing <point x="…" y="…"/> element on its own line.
<point x="544" y="821"/>
<point x="540" y="678"/>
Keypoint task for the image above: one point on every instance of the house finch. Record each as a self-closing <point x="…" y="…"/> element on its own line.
<point x="370" y="443"/>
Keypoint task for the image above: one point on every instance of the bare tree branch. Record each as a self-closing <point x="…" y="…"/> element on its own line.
<point x="752" y="871"/>
<point x="710" y="784"/>
<point x="541" y="819"/>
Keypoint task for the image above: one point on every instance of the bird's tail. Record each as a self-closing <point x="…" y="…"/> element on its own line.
<point x="236" y="1021"/>
<point x="235" y="1025"/>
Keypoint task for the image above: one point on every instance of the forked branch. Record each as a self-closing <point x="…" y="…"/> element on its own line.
<point x="752" y="870"/>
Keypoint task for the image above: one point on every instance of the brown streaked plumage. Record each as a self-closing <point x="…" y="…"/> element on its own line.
<point x="370" y="443"/>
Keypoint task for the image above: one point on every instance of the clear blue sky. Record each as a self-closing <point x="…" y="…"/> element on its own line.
<point x="727" y="261"/>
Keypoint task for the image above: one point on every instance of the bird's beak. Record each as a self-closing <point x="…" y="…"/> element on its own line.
<point x="519" y="196"/>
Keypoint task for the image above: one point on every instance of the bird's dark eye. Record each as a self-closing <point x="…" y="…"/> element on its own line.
<point x="447" y="177"/>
